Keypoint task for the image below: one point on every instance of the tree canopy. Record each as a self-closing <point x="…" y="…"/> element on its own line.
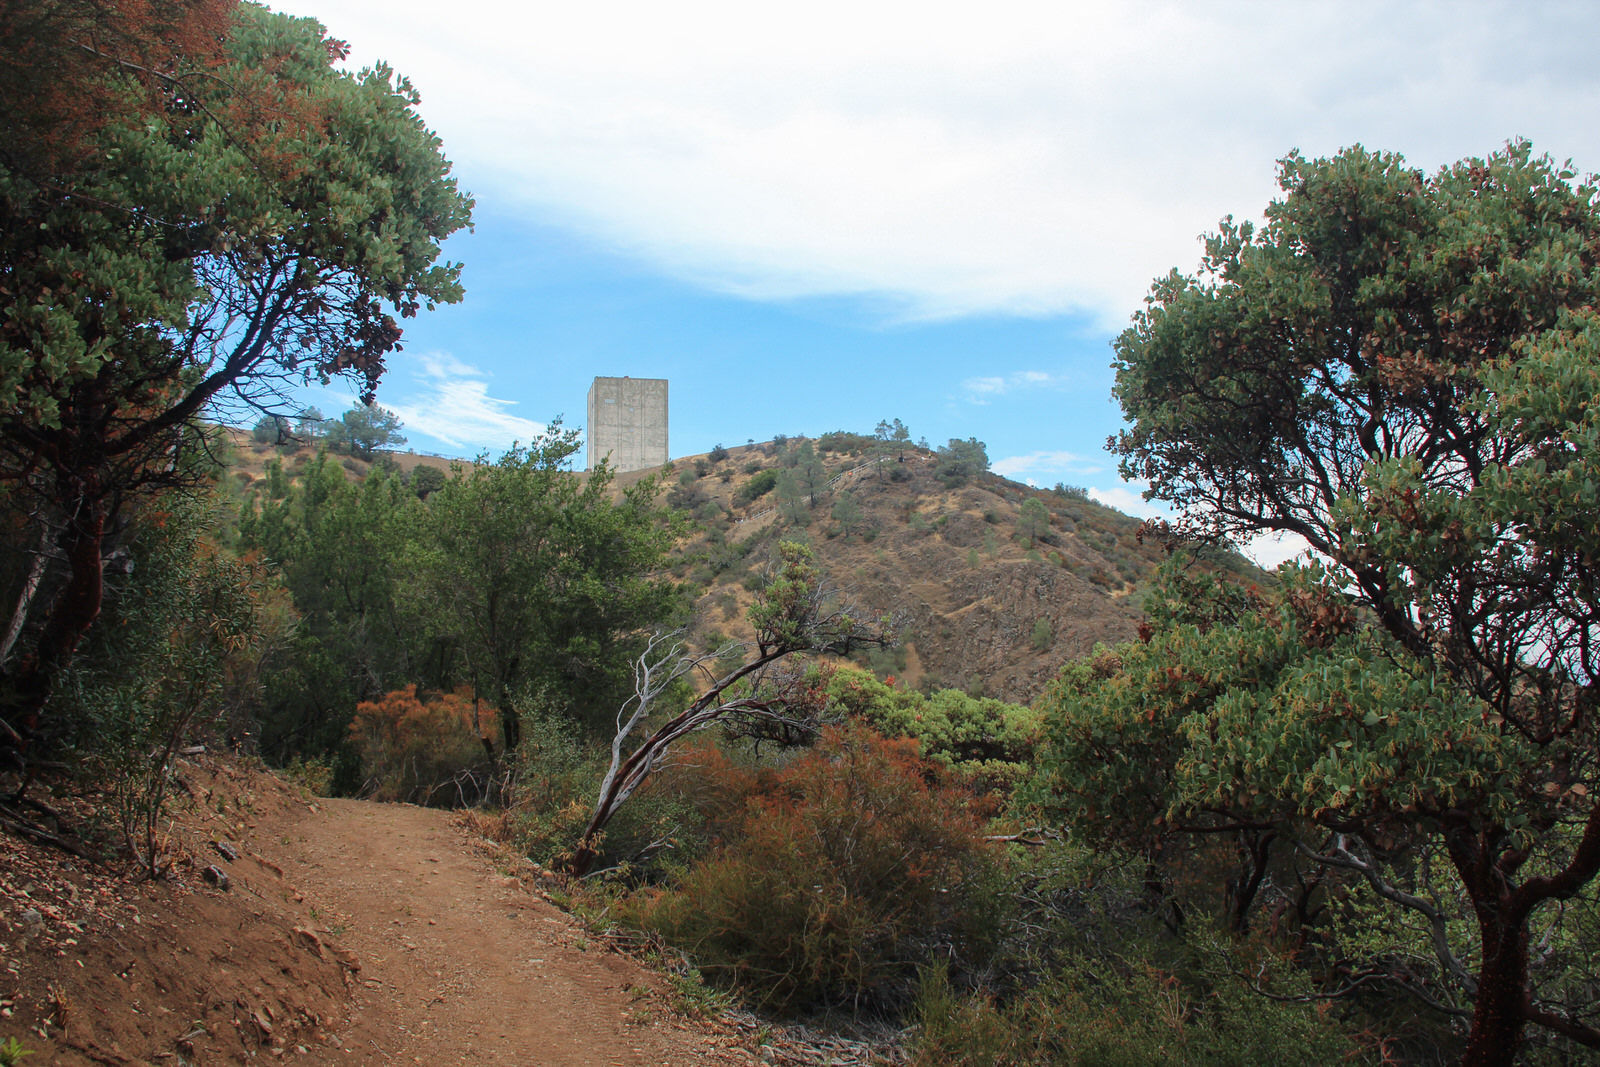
<point x="961" y="461"/>
<point x="539" y="581"/>
<point x="230" y="215"/>
<point x="364" y="429"/>
<point x="1399" y="367"/>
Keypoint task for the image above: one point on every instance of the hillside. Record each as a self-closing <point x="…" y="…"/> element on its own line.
<point x="246" y="460"/>
<point x="982" y="606"/>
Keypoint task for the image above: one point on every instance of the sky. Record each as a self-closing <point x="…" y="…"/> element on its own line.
<point x="811" y="217"/>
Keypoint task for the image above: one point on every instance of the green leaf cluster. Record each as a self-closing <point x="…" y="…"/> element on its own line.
<point x="538" y="579"/>
<point x="234" y="218"/>
<point x="980" y="737"/>
<point x="1278" y="714"/>
<point x="1398" y="367"/>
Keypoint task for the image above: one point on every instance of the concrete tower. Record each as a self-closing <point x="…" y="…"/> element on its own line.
<point x="628" y="422"/>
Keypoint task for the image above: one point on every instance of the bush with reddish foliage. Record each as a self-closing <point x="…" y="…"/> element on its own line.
<point x="836" y="876"/>
<point x="432" y="748"/>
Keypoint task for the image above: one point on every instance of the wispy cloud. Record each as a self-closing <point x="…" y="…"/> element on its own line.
<point x="1130" y="500"/>
<point x="450" y="403"/>
<point x="984" y="389"/>
<point x="1038" y="158"/>
<point x="1270" y="549"/>
<point x="1265" y="550"/>
<point x="1035" y="468"/>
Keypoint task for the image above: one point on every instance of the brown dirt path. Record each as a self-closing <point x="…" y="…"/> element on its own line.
<point x="348" y="933"/>
<point x="460" y="963"/>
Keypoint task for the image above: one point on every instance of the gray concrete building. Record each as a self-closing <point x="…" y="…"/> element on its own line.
<point x="628" y="423"/>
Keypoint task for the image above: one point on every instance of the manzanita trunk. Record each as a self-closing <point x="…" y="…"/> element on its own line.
<point x="1497" y="1016"/>
<point x="71" y="614"/>
<point x="1503" y="1004"/>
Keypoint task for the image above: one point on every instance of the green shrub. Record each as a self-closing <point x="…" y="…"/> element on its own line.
<point x="844" y="441"/>
<point x="1099" y="965"/>
<point x="985" y="740"/>
<point x="1043" y="636"/>
<point x="961" y="461"/>
<point x="686" y="496"/>
<point x="270" y="430"/>
<point x="1125" y="1014"/>
<point x="314" y="774"/>
<point x="425" y="480"/>
<point x="174" y="659"/>
<point x="759" y="485"/>
<point x="547" y="805"/>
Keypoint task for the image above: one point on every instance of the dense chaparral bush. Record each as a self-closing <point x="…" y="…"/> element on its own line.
<point x="839" y="875"/>
<point x="174" y="663"/>
<point x="985" y="740"/>
<point x="425" y="747"/>
<point x="1128" y="1014"/>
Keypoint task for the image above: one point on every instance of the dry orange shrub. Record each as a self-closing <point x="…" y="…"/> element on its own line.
<point x="414" y="746"/>
<point x="834" y="877"/>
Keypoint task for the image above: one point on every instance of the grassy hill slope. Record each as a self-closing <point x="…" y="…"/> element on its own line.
<point x="985" y="608"/>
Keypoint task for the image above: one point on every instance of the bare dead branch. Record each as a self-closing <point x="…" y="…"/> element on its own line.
<point x="1341" y="855"/>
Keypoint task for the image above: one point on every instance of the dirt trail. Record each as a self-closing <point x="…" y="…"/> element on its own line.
<point x="318" y="932"/>
<point x="461" y="964"/>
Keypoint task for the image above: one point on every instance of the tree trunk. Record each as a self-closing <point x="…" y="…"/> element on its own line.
<point x="30" y="588"/>
<point x="1498" y="1016"/>
<point x="70" y="616"/>
<point x="1503" y="1003"/>
<point x="1240" y="894"/>
<point x="510" y="728"/>
<point x="581" y="860"/>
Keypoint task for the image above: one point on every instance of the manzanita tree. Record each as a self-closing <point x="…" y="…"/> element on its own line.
<point x="1401" y="368"/>
<point x="226" y="214"/>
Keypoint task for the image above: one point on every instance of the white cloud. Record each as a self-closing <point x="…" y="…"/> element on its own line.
<point x="1030" y="157"/>
<point x="1130" y="501"/>
<point x="1045" y="466"/>
<point x="1265" y="550"/>
<point x="451" y="404"/>
<point x="982" y="390"/>
<point x="1270" y="549"/>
